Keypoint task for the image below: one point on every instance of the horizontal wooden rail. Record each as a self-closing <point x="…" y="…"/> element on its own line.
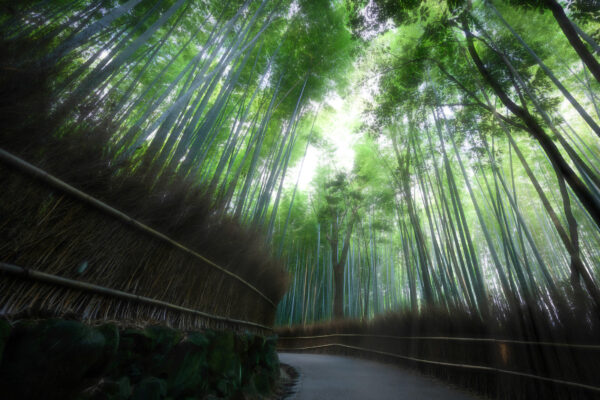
<point x="84" y="286"/>
<point x="53" y="181"/>
<point x="449" y="338"/>
<point x="447" y="364"/>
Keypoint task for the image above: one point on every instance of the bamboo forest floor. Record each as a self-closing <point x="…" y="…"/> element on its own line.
<point x="329" y="377"/>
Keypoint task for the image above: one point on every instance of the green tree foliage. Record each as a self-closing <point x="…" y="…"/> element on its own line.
<point x="483" y="133"/>
<point x="207" y="92"/>
<point x="475" y="180"/>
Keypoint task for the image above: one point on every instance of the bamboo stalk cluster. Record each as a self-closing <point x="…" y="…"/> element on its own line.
<point x="182" y="115"/>
<point x="489" y="193"/>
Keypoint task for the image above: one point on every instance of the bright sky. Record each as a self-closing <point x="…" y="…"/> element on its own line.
<point x="336" y="122"/>
<point x="339" y="130"/>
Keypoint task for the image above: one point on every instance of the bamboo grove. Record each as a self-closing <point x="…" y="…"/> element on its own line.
<point x="475" y="180"/>
<point x="185" y="115"/>
<point x="212" y="92"/>
<point x="475" y="183"/>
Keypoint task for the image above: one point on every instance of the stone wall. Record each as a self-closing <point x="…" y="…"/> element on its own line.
<point x="66" y="359"/>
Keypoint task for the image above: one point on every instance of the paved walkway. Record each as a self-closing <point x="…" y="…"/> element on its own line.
<point x="325" y="377"/>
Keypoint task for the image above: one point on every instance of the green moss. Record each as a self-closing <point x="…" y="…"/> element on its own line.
<point x="150" y="388"/>
<point x="185" y="367"/>
<point x="50" y="359"/>
<point x="262" y="381"/>
<point x="224" y="364"/>
<point x="109" y="355"/>
<point x="270" y="360"/>
<point x="5" y="329"/>
<point x="137" y="340"/>
<point x="199" y="338"/>
<point x="108" y="390"/>
<point x="129" y="360"/>
<point x="125" y="389"/>
<point x="162" y="338"/>
<point x="251" y="347"/>
<point x="145" y="351"/>
<point x="58" y="359"/>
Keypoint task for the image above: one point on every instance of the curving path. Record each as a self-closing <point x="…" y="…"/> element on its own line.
<point x="326" y="377"/>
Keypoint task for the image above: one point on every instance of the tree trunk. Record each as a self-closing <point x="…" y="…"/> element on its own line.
<point x="536" y="130"/>
<point x="338" y="299"/>
<point x="573" y="38"/>
<point x="338" y="266"/>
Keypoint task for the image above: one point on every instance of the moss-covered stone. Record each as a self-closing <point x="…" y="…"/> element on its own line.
<point x="5" y="329"/>
<point x="150" y="388"/>
<point x="200" y="339"/>
<point x="163" y="338"/>
<point x="59" y="359"/>
<point x="262" y="381"/>
<point x="250" y="349"/>
<point x="108" y="389"/>
<point x="111" y="335"/>
<point x="139" y="340"/>
<point x="156" y="338"/>
<point x="134" y="347"/>
<point x="111" y="338"/>
<point x="49" y="359"/>
<point x="143" y="351"/>
<point x="185" y="367"/>
<point x="270" y="360"/>
<point x="255" y="350"/>
<point x="224" y="364"/>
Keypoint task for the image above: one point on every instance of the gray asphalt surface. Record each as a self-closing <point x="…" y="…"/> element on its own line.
<point x="325" y="377"/>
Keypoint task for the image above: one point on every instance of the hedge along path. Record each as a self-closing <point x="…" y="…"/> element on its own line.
<point x="84" y="286"/>
<point x="58" y="184"/>
<point x="450" y="338"/>
<point x="454" y="365"/>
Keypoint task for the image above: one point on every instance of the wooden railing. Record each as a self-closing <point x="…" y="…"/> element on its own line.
<point x="34" y="274"/>
<point x="496" y="356"/>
